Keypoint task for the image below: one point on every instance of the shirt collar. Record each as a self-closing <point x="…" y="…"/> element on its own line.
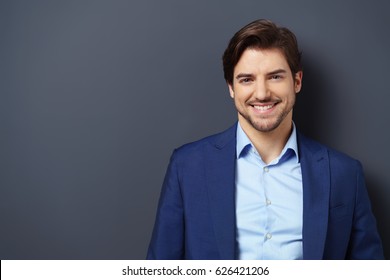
<point x="244" y="144"/>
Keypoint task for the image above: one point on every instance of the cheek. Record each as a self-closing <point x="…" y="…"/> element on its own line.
<point x="239" y="98"/>
<point x="291" y="98"/>
<point x="287" y="91"/>
<point x="243" y="93"/>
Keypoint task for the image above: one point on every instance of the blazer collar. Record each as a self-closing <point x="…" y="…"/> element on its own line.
<point x="220" y="180"/>
<point x="316" y="191"/>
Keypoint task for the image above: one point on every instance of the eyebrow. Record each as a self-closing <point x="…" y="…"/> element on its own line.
<point x="274" y="72"/>
<point x="277" y="71"/>
<point x="244" y="75"/>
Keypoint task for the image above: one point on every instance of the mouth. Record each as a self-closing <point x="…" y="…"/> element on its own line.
<point x="264" y="108"/>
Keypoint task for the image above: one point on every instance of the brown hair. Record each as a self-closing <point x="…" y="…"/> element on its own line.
<point x="261" y="34"/>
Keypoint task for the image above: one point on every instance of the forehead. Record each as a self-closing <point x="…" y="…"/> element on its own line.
<point x="264" y="60"/>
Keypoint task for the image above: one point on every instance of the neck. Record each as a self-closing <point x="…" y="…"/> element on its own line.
<point x="269" y="144"/>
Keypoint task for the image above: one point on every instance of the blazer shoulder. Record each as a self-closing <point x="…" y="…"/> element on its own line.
<point x="218" y="140"/>
<point x="335" y="156"/>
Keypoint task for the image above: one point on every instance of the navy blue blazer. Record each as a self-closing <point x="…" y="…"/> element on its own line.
<point x="196" y="212"/>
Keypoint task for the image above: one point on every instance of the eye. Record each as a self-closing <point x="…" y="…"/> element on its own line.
<point x="245" y="80"/>
<point x="276" y="77"/>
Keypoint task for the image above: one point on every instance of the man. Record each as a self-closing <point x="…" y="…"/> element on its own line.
<point x="261" y="190"/>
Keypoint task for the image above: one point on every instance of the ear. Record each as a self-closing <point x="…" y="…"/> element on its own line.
<point x="231" y="90"/>
<point x="298" y="81"/>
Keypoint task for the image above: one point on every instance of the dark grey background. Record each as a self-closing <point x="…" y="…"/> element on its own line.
<point x="95" y="95"/>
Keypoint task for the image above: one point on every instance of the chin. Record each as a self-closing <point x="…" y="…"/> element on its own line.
<point x="265" y="126"/>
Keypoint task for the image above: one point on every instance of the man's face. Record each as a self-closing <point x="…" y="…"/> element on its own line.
<point x="264" y="89"/>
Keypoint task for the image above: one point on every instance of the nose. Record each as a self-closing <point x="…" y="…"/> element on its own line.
<point x="262" y="91"/>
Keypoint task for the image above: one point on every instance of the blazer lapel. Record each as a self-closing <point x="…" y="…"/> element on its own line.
<point x="220" y="176"/>
<point x="316" y="191"/>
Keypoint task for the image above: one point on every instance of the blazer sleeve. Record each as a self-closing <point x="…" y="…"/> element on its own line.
<point x="365" y="242"/>
<point x="167" y="242"/>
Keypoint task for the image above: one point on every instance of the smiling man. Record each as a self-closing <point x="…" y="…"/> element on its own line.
<point x="261" y="190"/>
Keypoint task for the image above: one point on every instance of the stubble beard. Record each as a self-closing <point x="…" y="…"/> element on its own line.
<point x="267" y="124"/>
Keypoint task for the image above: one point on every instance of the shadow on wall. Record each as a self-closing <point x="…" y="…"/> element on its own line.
<point x="311" y="104"/>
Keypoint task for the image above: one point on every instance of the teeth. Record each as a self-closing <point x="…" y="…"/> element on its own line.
<point x="263" y="108"/>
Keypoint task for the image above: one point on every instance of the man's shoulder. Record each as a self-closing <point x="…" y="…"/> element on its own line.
<point x="336" y="157"/>
<point x="217" y="140"/>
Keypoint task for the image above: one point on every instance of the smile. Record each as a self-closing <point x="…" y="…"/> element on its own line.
<point x="263" y="108"/>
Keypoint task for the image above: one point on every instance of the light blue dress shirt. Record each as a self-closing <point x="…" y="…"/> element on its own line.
<point x="269" y="205"/>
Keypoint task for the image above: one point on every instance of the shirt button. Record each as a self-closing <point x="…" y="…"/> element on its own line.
<point x="268" y="202"/>
<point x="268" y="236"/>
<point x="266" y="169"/>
